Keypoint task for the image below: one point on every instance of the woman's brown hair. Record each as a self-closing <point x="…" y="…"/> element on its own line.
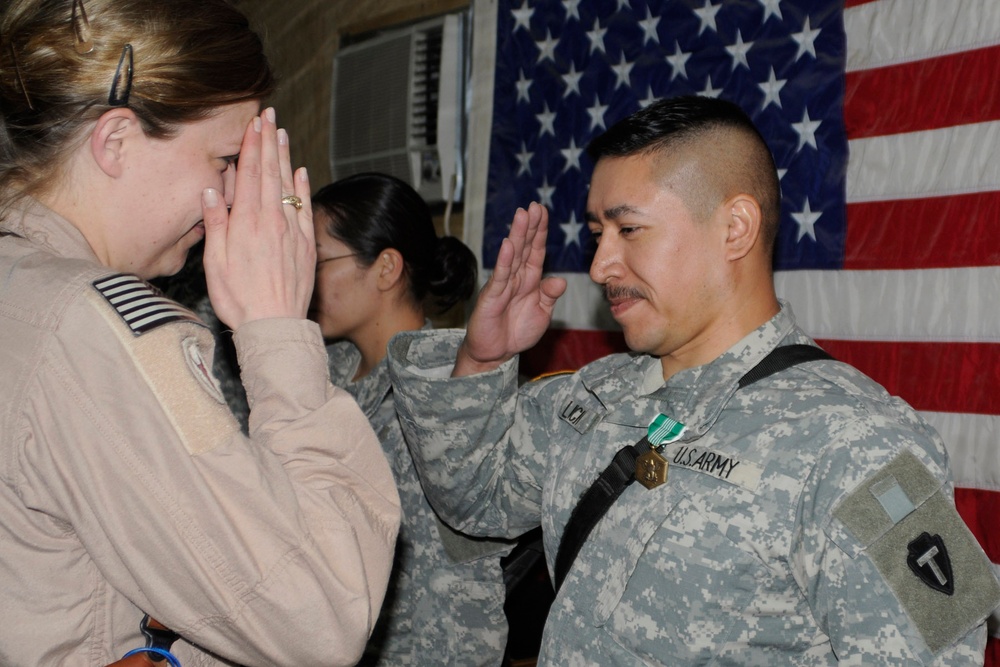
<point x="59" y="60"/>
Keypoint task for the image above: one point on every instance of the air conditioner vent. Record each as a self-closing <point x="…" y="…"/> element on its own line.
<point x="399" y="106"/>
<point x="426" y="86"/>
<point x="372" y="119"/>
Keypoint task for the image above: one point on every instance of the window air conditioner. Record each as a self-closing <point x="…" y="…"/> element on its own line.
<point x="399" y="106"/>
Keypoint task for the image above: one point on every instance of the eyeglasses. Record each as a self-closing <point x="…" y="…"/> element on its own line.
<point x="330" y="259"/>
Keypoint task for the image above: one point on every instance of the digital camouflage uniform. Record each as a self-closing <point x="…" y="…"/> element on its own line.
<point x="445" y="600"/>
<point x="781" y="537"/>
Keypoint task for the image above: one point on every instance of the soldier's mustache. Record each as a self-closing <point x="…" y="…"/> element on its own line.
<point x="618" y="292"/>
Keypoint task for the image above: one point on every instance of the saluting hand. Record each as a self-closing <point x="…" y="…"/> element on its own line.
<point x="260" y="257"/>
<point x="515" y="306"/>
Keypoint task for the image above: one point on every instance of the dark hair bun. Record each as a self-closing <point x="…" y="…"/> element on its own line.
<point x="453" y="276"/>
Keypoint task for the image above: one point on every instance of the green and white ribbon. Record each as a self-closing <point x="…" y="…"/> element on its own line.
<point x="663" y="429"/>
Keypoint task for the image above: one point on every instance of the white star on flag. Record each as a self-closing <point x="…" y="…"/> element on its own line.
<point x="545" y="192"/>
<point x="708" y="90"/>
<point x="524" y="157"/>
<point x="596" y="113"/>
<point x="648" y="26"/>
<point x="596" y="37"/>
<point x="678" y="62"/>
<point x="806" y="220"/>
<point x="706" y="15"/>
<point x="572" y="79"/>
<point x="547" y="119"/>
<point x="739" y="51"/>
<point x="623" y="71"/>
<point x="522" y="17"/>
<point x="571" y="231"/>
<point x="771" y="89"/>
<point x="807" y="130"/>
<point x="771" y="8"/>
<point x="572" y="155"/>
<point x="547" y="47"/>
<point x="806" y="40"/>
<point x="523" y="86"/>
<point x="572" y="9"/>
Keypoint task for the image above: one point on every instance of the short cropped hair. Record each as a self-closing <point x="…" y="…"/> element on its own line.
<point x="678" y="122"/>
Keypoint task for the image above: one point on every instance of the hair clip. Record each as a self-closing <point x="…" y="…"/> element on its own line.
<point x="121" y="87"/>
<point x="83" y="41"/>
<point x="20" y="76"/>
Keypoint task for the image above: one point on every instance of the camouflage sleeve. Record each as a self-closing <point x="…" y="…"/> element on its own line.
<point x="890" y="570"/>
<point x="468" y="440"/>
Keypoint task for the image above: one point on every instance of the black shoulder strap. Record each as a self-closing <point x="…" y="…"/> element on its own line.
<point x="781" y="358"/>
<point x="610" y="484"/>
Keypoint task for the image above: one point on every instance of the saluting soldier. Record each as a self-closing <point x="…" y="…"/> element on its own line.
<point x="789" y="511"/>
<point x="129" y="493"/>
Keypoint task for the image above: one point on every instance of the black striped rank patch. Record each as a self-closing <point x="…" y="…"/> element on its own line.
<point x="141" y="305"/>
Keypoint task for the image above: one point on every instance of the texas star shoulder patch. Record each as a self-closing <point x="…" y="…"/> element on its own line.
<point x="140" y="305"/>
<point x="929" y="560"/>
<point x="904" y="522"/>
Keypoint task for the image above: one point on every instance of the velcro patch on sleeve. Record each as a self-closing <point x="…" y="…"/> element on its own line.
<point x="176" y="364"/>
<point x="140" y="305"/>
<point x="911" y="531"/>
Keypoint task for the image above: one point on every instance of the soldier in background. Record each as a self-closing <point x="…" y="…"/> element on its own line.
<point x="800" y="517"/>
<point x="382" y="269"/>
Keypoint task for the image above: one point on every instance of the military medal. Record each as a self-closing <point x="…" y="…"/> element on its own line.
<point x="651" y="467"/>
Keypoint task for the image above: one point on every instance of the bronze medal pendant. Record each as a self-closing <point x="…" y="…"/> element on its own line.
<point x="651" y="469"/>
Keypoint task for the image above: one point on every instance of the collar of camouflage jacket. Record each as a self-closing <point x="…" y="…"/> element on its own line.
<point x="695" y="396"/>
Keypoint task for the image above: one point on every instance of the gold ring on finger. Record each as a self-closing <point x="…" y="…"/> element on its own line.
<point x="292" y="200"/>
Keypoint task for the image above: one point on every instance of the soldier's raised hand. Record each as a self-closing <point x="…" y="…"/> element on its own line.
<point x="515" y="306"/>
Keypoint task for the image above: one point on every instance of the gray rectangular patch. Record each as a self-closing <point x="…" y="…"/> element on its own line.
<point x="863" y="513"/>
<point x="892" y="498"/>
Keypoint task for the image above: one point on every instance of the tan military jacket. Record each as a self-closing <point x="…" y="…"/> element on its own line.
<point x="127" y="486"/>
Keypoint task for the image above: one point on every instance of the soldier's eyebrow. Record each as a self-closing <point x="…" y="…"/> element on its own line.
<point x="613" y="213"/>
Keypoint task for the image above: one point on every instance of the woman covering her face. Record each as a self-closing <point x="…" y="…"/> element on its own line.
<point x="382" y="269"/>
<point x="129" y="493"/>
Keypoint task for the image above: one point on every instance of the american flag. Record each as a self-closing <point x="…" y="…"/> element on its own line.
<point x="883" y="119"/>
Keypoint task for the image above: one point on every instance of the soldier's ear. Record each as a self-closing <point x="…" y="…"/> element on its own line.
<point x="111" y="138"/>
<point x="390" y="269"/>
<point x="744" y="218"/>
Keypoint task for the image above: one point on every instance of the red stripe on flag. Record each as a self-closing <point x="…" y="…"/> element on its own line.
<point x="927" y="94"/>
<point x="938" y="377"/>
<point x="855" y="3"/>
<point x="950" y="377"/>
<point x="921" y="233"/>
<point x="979" y="510"/>
<point x="569" y="349"/>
